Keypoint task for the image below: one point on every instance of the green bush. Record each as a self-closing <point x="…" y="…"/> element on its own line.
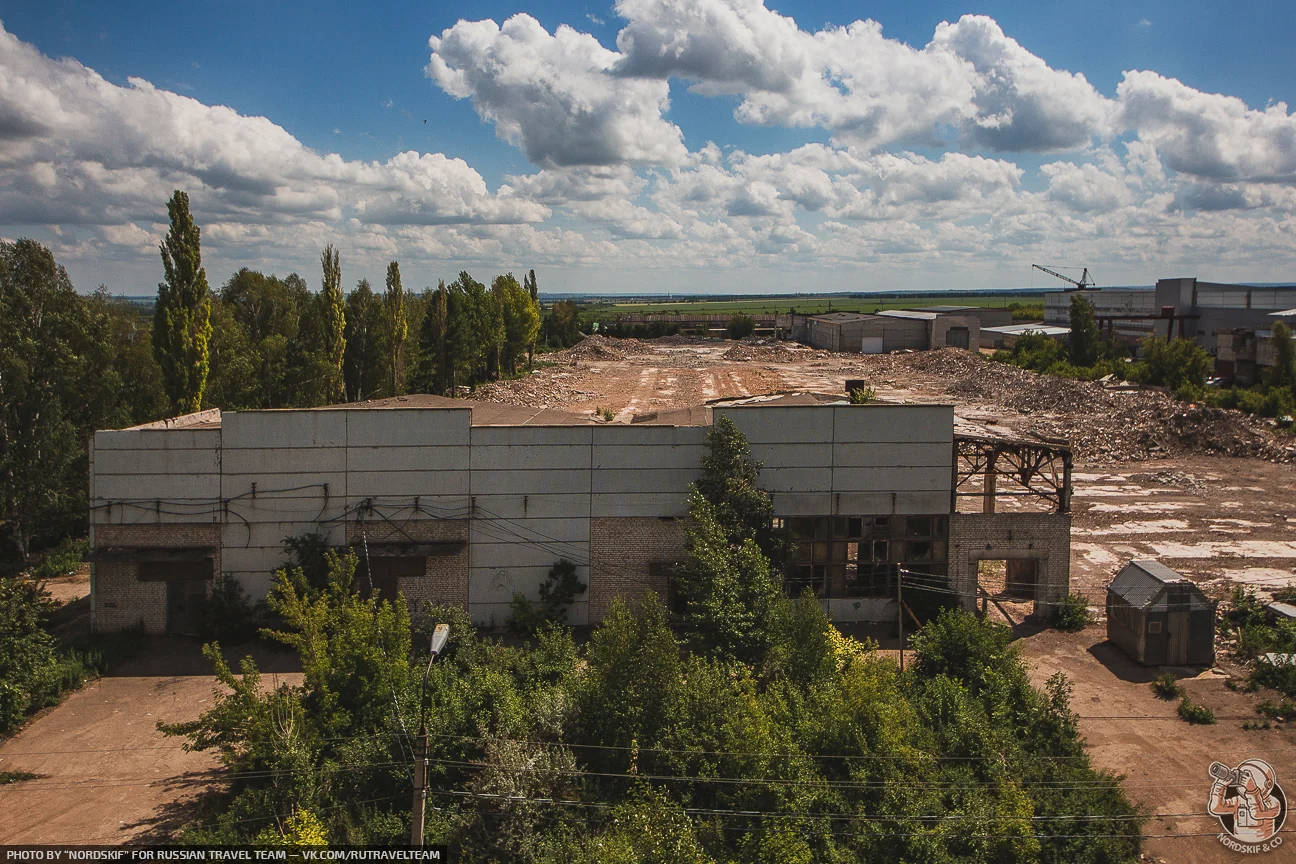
<point x="1179" y="365"/>
<point x="229" y="615"/>
<point x="1197" y="715"/>
<point x="740" y="326"/>
<point x="862" y="396"/>
<point x="63" y="560"/>
<point x="1166" y="686"/>
<point x="1071" y="613"/>
<point x="558" y="592"/>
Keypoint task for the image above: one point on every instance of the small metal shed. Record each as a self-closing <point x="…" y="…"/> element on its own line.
<point x="1159" y="618"/>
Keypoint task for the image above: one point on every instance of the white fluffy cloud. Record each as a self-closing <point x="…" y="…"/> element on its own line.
<point x="551" y="94"/>
<point x="78" y="149"/>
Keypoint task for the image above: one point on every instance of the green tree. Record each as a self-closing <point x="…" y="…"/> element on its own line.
<point x="467" y="342"/>
<point x="740" y="326"/>
<point x="267" y="311"/>
<point x="729" y="483"/>
<point x="397" y="329"/>
<point x="1181" y="365"/>
<point x="521" y="317"/>
<point x="1084" y="341"/>
<point x="1283" y="372"/>
<point x="563" y="324"/>
<point x="182" y="318"/>
<point x="529" y="283"/>
<point x="332" y="317"/>
<point x="432" y="372"/>
<point x="364" y="357"/>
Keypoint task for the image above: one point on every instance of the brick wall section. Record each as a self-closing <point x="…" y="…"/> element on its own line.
<point x="445" y="581"/>
<point x="1044" y="537"/>
<point x="621" y="550"/>
<point x="118" y="598"/>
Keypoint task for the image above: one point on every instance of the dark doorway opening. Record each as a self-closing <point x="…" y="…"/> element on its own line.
<point x="186" y="599"/>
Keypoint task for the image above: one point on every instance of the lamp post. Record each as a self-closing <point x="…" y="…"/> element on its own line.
<point x="439" y="636"/>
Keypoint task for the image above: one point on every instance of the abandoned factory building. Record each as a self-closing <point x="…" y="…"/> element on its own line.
<point x="469" y="503"/>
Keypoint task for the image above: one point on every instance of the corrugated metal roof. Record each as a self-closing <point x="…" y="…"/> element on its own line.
<point x="1020" y="329"/>
<point x="909" y="313"/>
<point x="1141" y="582"/>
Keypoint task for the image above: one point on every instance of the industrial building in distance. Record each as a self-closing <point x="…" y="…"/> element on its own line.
<point x="455" y="502"/>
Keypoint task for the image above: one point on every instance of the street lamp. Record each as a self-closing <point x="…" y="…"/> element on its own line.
<point x="439" y="636"/>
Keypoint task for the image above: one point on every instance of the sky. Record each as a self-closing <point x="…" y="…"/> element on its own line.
<point x="657" y="146"/>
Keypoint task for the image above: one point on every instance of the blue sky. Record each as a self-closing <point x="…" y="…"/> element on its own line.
<point x="663" y="212"/>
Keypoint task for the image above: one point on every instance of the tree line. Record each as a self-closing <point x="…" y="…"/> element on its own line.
<point x="71" y="364"/>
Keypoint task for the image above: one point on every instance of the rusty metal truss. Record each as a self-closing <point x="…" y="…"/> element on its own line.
<point x="1029" y="469"/>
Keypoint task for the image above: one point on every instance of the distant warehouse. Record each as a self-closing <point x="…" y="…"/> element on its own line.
<point x="894" y="330"/>
<point x="448" y="501"/>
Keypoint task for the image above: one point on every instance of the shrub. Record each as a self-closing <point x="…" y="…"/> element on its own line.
<point x="1180" y="365"/>
<point x="1166" y="686"/>
<point x="1071" y="613"/>
<point x="740" y="326"/>
<point x="1197" y="715"/>
<point x="63" y="560"/>
<point x="862" y="396"/>
<point x="605" y="414"/>
<point x="229" y="615"/>
<point x="559" y="590"/>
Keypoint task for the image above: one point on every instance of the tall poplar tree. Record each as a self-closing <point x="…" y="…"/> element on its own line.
<point x="397" y="327"/>
<point x="333" y="314"/>
<point x="182" y="318"/>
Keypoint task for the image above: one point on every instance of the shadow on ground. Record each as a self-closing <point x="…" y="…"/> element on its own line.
<point x="169" y="656"/>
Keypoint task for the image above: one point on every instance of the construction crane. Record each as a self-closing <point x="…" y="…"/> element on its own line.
<point x="1086" y="281"/>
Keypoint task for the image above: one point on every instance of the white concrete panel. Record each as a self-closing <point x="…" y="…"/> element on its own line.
<point x="284" y="460"/>
<point x="184" y="461"/>
<point x="886" y="479"/>
<point x="235" y="559"/>
<point x="647" y="456"/>
<point x="664" y="480"/>
<point x="308" y="485"/>
<point x="361" y="484"/>
<point x="284" y="428"/>
<point x="539" y="506"/>
<point x="498" y="585"/>
<point x="529" y="482"/>
<point x="158" y="439"/>
<point x="885" y="454"/>
<point x="304" y="509"/>
<point x="802" y="504"/>
<point x="658" y="504"/>
<point x="922" y="503"/>
<point x="408" y="426"/>
<point x="530" y="436"/>
<point x="529" y="457"/>
<point x="257" y="585"/>
<point x="167" y="487"/>
<point x="793" y="455"/>
<point x="796" y="479"/>
<point x="512" y="555"/>
<point x="898" y="423"/>
<point x="264" y="535"/>
<point x="362" y="458"/>
<point x="571" y="530"/>
<point x="861" y="609"/>
<point x="631" y="435"/>
<point x="787" y="425"/>
<point x="492" y="615"/>
<point x="867" y="503"/>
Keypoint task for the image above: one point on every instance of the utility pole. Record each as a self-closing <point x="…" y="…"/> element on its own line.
<point x="439" y="636"/>
<point x="900" y="611"/>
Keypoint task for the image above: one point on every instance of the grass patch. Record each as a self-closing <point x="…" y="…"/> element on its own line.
<point x="10" y="777"/>
<point x="1284" y="710"/>
<point x="1071" y="613"/>
<point x="1197" y="715"/>
<point x="1166" y="686"/>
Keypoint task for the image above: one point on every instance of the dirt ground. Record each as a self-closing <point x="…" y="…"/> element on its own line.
<point x="107" y="774"/>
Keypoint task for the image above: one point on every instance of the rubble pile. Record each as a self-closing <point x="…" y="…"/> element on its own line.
<point x="773" y="352"/>
<point x="1099" y="422"/>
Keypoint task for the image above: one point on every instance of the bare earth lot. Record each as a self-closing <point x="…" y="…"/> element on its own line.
<point x="1208" y="492"/>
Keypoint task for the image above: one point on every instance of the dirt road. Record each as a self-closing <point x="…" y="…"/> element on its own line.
<point x="107" y="774"/>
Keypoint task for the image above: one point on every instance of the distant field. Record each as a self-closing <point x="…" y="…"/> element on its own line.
<point x="768" y="305"/>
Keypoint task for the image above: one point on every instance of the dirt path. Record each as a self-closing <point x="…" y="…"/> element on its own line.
<point x="108" y="775"/>
<point x="1164" y="760"/>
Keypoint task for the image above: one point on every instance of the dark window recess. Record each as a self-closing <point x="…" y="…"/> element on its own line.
<point x="185" y="601"/>
<point x="859" y="556"/>
<point x="383" y="574"/>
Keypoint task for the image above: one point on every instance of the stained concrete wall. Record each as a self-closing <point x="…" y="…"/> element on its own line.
<point x="522" y="496"/>
<point x="1042" y="537"/>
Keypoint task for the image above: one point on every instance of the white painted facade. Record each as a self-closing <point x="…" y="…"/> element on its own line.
<point x="527" y="486"/>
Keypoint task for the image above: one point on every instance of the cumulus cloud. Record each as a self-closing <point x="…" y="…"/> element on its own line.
<point x="78" y="149"/>
<point x="551" y="94"/>
<point x="1208" y="135"/>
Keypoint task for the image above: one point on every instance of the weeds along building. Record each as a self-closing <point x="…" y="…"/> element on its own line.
<point x="468" y="503"/>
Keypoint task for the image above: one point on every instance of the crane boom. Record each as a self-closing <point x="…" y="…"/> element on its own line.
<point x="1085" y="279"/>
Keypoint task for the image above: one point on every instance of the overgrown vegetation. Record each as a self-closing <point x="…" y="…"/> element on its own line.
<point x="1197" y="715"/>
<point x="35" y="669"/>
<point x="757" y="732"/>
<point x="1257" y="633"/>
<point x="740" y="326"/>
<point x="862" y="396"/>
<point x="1167" y="686"/>
<point x="1071" y="613"/>
<point x="557" y="593"/>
